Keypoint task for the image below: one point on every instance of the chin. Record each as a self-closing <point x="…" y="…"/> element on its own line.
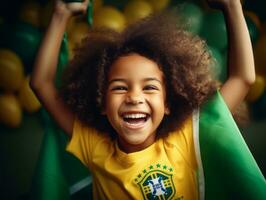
<point x="138" y="140"/>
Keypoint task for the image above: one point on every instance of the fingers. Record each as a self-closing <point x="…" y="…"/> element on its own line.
<point x="85" y="4"/>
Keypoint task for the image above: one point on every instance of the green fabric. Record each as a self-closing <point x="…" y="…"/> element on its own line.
<point x="50" y="181"/>
<point x="56" y="169"/>
<point x="229" y="168"/>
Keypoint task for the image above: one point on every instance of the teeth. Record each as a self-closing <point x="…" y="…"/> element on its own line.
<point x="134" y="116"/>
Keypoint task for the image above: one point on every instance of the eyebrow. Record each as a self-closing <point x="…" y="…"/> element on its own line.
<point x="124" y="80"/>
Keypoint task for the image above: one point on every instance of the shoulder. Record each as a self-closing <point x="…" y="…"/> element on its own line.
<point x="182" y="141"/>
<point x="87" y="142"/>
<point x="183" y="133"/>
<point x="182" y="138"/>
<point x="85" y="131"/>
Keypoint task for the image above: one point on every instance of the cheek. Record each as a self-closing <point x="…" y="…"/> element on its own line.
<point x="112" y="103"/>
<point x="159" y="104"/>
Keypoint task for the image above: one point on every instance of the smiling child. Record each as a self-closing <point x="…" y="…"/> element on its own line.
<point x="129" y="100"/>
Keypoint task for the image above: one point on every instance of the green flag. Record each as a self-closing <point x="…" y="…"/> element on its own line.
<point x="58" y="174"/>
<point x="50" y="181"/>
<point x="229" y="169"/>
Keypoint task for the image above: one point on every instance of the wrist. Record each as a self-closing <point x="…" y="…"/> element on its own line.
<point x="61" y="16"/>
<point x="232" y="5"/>
<point x="61" y="11"/>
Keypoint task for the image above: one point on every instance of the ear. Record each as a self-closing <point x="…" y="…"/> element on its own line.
<point x="167" y="110"/>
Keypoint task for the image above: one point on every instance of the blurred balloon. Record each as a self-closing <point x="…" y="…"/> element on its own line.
<point x="24" y="39"/>
<point x="10" y="111"/>
<point x="260" y="54"/>
<point x="27" y="98"/>
<point x="214" y="30"/>
<point x="252" y="28"/>
<point x="192" y="16"/>
<point x="30" y="12"/>
<point x="71" y="24"/>
<point x="158" y="5"/>
<point x="219" y="68"/>
<point x="97" y="4"/>
<point x="256" y="89"/>
<point x="11" y="70"/>
<point x="77" y="32"/>
<point x="109" y="17"/>
<point x="137" y="9"/>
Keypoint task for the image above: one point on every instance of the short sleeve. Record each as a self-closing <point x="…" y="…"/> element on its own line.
<point x="80" y="144"/>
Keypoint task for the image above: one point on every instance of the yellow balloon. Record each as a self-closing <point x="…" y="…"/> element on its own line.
<point x="10" y="111"/>
<point x="109" y="17"/>
<point x="78" y="32"/>
<point x="97" y="4"/>
<point x="137" y="9"/>
<point x="256" y="89"/>
<point x="27" y="98"/>
<point x="30" y="12"/>
<point x="158" y="5"/>
<point x="11" y="70"/>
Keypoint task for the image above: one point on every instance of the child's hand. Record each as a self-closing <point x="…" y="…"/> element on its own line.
<point x="71" y="8"/>
<point x="221" y="4"/>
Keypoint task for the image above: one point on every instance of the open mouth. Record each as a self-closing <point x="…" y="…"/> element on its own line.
<point x="135" y="119"/>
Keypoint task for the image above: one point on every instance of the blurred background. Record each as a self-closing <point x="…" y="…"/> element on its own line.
<point x="22" y="24"/>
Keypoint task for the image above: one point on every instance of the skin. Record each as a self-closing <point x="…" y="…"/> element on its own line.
<point x="240" y="66"/>
<point x="241" y="69"/>
<point x="136" y="86"/>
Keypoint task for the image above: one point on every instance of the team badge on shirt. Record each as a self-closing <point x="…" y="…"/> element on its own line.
<point x="156" y="182"/>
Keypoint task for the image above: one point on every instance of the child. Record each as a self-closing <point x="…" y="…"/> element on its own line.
<point x="128" y="99"/>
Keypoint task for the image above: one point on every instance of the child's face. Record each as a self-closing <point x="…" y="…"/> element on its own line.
<point x="135" y="101"/>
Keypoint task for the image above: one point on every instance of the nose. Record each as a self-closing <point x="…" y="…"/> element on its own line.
<point x="134" y="98"/>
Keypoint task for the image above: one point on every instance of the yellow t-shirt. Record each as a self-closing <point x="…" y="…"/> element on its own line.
<point x="164" y="170"/>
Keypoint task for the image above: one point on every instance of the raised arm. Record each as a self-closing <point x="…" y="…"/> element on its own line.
<point x="43" y="75"/>
<point x="240" y="55"/>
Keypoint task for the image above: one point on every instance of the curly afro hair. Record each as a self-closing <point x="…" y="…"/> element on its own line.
<point x="182" y="57"/>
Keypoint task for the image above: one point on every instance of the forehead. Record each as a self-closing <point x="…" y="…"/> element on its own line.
<point x="134" y="66"/>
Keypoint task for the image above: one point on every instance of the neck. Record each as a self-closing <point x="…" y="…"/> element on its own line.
<point x="131" y="148"/>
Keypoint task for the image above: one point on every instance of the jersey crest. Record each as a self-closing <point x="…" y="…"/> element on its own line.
<point x="156" y="183"/>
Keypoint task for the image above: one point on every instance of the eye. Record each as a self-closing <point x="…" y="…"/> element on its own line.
<point x="118" y="88"/>
<point x="151" y="87"/>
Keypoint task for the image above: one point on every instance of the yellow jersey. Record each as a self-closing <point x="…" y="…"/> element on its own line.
<point x="165" y="170"/>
